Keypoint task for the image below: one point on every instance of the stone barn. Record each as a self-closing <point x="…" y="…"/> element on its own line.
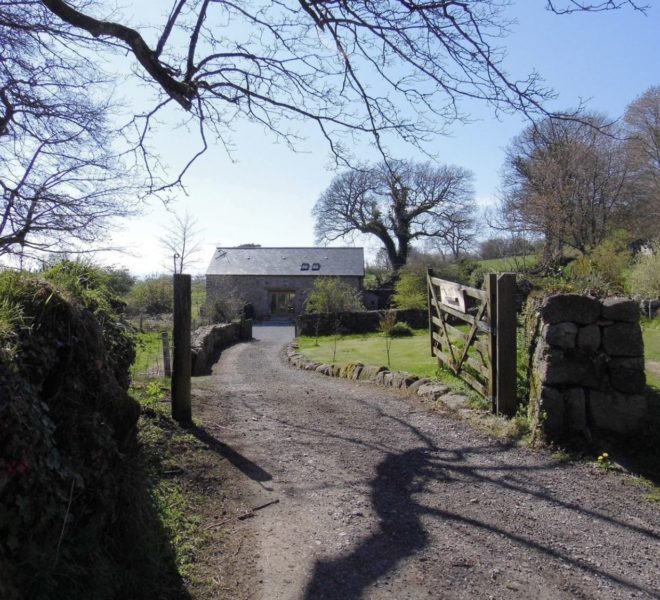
<point x="276" y="281"/>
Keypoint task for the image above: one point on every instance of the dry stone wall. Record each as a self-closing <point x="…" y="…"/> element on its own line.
<point x="209" y="341"/>
<point x="587" y="366"/>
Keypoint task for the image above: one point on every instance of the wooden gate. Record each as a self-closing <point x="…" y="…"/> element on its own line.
<point x="473" y="333"/>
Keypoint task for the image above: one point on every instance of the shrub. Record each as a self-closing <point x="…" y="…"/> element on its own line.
<point x="401" y="330"/>
<point x="228" y="305"/>
<point x="410" y="289"/>
<point x="603" y="270"/>
<point x="332" y="295"/>
<point x="151" y="296"/>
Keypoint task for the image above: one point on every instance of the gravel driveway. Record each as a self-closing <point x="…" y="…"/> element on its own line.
<point x="375" y="495"/>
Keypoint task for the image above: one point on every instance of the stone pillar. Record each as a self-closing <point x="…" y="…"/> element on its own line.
<point x="588" y="367"/>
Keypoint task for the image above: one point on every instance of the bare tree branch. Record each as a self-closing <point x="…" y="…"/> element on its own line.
<point x="572" y="6"/>
<point x="353" y="68"/>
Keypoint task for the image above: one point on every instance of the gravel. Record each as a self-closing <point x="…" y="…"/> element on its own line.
<point x="380" y="496"/>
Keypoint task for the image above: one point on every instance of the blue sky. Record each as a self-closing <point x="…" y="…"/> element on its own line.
<point x="266" y="193"/>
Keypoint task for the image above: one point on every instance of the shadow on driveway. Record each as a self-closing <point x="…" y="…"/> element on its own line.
<point x="243" y="464"/>
<point x="399" y="477"/>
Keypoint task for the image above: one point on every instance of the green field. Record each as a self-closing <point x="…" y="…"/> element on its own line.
<point x="512" y="264"/>
<point x="410" y="354"/>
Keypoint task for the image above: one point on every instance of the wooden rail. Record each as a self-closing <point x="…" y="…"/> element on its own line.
<point x="484" y="356"/>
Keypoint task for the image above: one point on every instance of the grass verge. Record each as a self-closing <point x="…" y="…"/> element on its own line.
<point x="164" y="449"/>
<point x="149" y="356"/>
<point x="161" y="520"/>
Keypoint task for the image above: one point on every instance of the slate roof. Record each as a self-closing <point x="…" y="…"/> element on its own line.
<point x="287" y="261"/>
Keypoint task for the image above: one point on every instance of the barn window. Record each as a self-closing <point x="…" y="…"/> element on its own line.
<point x="316" y="267"/>
<point x="304" y="267"/>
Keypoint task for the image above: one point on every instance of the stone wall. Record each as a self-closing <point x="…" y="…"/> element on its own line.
<point x="209" y="341"/>
<point x="356" y="322"/>
<point x="587" y="366"/>
<point x="423" y="387"/>
<point x="255" y="289"/>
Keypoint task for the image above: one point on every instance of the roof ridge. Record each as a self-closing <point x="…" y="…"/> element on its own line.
<point x="292" y="248"/>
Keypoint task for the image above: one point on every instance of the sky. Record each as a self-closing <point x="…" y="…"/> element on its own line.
<point x="264" y="192"/>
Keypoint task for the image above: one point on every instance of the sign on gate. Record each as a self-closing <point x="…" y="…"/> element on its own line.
<point x="451" y="294"/>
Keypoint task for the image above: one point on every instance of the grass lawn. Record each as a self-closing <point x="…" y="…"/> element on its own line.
<point x="411" y="354"/>
<point x="651" y="332"/>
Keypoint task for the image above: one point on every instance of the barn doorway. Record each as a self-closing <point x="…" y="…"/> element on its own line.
<point x="282" y="302"/>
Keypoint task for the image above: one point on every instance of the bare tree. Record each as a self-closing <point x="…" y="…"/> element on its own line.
<point x="351" y="67"/>
<point x="57" y="201"/>
<point x="60" y="180"/>
<point x="642" y="151"/>
<point x="460" y="232"/>
<point x="181" y="239"/>
<point x="398" y="203"/>
<point x="564" y="180"/>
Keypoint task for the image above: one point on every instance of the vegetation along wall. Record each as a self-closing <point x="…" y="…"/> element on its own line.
<point x="66" y="424"/>
<point x="587" y="366"/>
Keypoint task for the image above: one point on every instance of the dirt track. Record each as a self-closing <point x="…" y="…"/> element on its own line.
<point x="381" y="497"/>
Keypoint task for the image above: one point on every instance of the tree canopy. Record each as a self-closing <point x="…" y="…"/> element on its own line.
<point x="573" y="183"/>
<point x="565" y="180"/>
<point x="398" y="202"/>
<point x="641" y="127"/>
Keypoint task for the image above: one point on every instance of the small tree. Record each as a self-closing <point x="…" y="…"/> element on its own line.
<point x="387" y="324"/>
<point x="644" y="278"/>
<point x="181" y="238"/>
<point x="332" y="296"/>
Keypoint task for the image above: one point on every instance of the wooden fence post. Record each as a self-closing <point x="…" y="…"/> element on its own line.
<point x="167" y="365"/>
<point x="181" y="410"/>
<point x="491" y="290"/>
<point x="507" y="402"/>
<point x="429" y="274"/>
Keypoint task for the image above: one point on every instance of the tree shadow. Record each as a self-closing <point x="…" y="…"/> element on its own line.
<point x="403" y="478"/>
<point x="639" y="454"/>
<point x="242" y="463"/>
<point x="401" y="535"/>
<point x="401" y="532"/>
